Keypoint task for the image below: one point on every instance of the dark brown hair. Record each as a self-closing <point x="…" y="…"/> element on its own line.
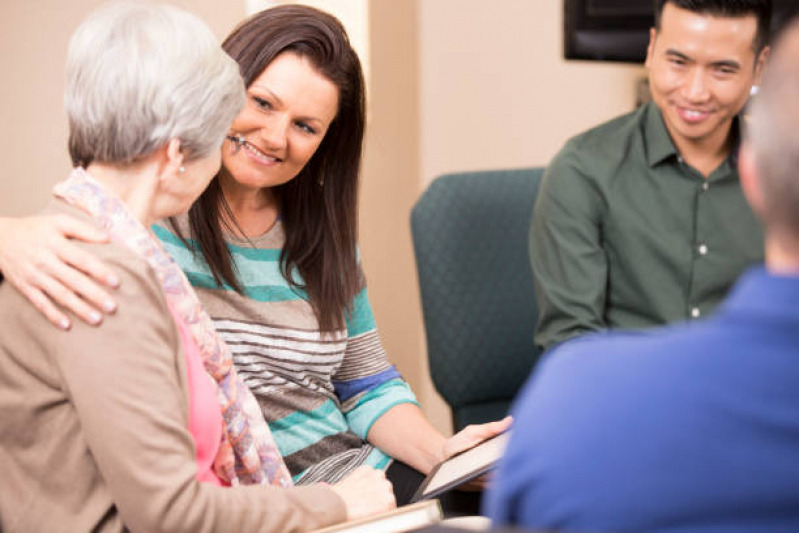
<point x="319" y="206"/>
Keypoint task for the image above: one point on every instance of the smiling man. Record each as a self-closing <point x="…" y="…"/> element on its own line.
<point x="641" y="221"/>
<point x="692" y="427"/>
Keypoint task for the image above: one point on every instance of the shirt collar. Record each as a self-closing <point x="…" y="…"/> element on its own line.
<point x="659" y="145"/>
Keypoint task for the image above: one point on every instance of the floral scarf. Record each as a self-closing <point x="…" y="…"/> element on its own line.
<point x="247" y="453"/>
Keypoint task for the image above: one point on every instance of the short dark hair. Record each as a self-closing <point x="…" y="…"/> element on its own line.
<point x="761" y="9"/>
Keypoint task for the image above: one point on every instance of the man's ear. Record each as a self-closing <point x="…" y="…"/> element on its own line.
<point x="653" y="35"/>
<point x="750" y="179"/>
<point x="760" y="64"/>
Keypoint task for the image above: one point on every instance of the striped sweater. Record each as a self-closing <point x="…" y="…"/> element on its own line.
<point x="319" y="393"/>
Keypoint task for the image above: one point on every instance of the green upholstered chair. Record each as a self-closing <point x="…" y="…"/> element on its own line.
<point x="470" y="240"/>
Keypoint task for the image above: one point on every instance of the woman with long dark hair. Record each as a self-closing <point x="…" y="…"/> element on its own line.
<point x="271" y="247"/>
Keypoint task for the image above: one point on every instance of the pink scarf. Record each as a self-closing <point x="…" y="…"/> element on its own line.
<point x="247" y="453"/>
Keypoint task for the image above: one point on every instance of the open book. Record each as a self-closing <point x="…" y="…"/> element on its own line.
<point x="462" y="467"/>
<point x="405" y="518"/>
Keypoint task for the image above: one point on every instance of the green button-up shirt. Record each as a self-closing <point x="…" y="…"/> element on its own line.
<point x="626" y="235"/>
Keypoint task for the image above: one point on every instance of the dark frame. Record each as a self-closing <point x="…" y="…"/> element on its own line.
<point x="607" y="31"/>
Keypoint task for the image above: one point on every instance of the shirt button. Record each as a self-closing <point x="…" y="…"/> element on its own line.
<point x="705" y="186"/>
<point x="702" y="249"/>
<point x="695" y="312"/>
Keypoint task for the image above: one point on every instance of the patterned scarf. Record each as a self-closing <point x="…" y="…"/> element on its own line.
<point x="247" y="453"/>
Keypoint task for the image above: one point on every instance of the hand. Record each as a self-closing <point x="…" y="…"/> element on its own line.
<point x="37" y="257"/>
<point x="365" y="492"/>
<point x="469" y="437"/>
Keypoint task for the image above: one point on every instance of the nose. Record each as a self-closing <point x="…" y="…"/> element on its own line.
<point x="695" y="88"/>
<point x="274" y="132"/>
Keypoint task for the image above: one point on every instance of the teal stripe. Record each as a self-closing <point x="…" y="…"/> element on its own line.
<point x="257" y="270"/>
<point x="302" y="429"/>
<point x="378" y="460"/>
<point x="249" y="272"/>
<point x="256" y="254"/>
<point x="375" y="403"/>
<point x="362" y="319"/>
<point x="260" y="294"/>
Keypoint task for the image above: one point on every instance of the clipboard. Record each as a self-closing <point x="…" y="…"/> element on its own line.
<point x="462" y="467"/>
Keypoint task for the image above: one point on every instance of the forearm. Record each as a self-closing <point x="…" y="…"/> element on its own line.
<point x="405" y="434"/>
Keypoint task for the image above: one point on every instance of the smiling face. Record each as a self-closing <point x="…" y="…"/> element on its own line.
<point x="701" y="71"/>
<point x="290" y="107"/>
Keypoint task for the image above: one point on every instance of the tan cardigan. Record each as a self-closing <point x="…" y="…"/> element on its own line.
<point x="94" y="425"/>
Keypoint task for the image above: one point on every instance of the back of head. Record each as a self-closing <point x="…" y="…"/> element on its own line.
<point x="774" y="136"/>
<point x="761" y="9"/>
<point x="140" y="74"/>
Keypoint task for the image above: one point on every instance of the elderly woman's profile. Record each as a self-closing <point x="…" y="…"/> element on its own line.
<point x="143" y="424"/>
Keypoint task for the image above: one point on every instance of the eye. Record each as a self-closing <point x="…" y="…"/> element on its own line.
<point x="262" y="102"/>
<point x="305" y="127"/>
<point x="726" y="70"/>
<point x="677" y="61"/>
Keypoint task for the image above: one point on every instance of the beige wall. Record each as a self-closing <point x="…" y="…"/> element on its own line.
<point x="496" y="91"/>
<point x="454" y="85"/>
<point x="33" y="43"/>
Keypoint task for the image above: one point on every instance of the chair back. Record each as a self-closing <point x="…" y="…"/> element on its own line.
<point x="470" y="237"/>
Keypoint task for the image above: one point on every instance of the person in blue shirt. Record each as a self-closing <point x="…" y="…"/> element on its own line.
<point x="694" y="427"/>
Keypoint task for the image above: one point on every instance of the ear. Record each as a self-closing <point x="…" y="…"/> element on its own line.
<point x="760" y="64"/>
<point x="750" y="179"/>
<point x="653" y="35"/>
<point x="174" y="158"/>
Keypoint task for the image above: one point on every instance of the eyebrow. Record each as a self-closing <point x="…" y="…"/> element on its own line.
<point x="729" y="63"/>
<point x="279" y="102"/>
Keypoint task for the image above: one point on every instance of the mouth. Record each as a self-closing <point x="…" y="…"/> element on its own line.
<point x="252" y="151"/>
<point x="692" y="116"/>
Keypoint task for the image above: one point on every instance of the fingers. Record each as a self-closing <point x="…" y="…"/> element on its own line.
<point x="52" y="287"/>
<point x="45" y="306"/>
<point x="489" y="429"/>
<point x="366" y="491"/>
<point x="74" y="278"/>
<point x="495" y="428"/>
<point x="77" y="229"/>
<point x="474" y="434"/>
<point x="84" y="289"/>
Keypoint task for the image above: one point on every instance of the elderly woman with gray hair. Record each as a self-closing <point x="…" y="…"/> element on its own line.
<point x="121" y="427"/>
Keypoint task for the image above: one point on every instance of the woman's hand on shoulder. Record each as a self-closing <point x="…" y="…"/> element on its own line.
<point x="37" y="257"/>
<point x="365" y="492"/>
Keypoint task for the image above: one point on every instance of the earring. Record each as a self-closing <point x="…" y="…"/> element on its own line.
<point x="182" y="170"/>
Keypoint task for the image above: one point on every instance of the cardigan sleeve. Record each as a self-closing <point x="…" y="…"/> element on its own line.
<point x="126" y="380"/>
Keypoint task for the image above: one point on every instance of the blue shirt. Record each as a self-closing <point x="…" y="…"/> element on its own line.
<point x="691" y="428"/>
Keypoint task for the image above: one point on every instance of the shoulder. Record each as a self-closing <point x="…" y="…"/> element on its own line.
<point x="600" y="147"/>
<point x="620" y="376"/>
<point x="139" y="286"/>
<point x="116" y="255"/>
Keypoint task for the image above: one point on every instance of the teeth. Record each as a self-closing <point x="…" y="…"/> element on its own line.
<point x="259" y="153"/>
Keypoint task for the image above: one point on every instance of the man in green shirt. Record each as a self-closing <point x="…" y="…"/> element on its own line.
<point x="641" y="221"/>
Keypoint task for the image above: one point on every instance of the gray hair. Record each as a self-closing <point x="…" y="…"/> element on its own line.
<point x="140" y="74"/>
<point x="774" y="134"/>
